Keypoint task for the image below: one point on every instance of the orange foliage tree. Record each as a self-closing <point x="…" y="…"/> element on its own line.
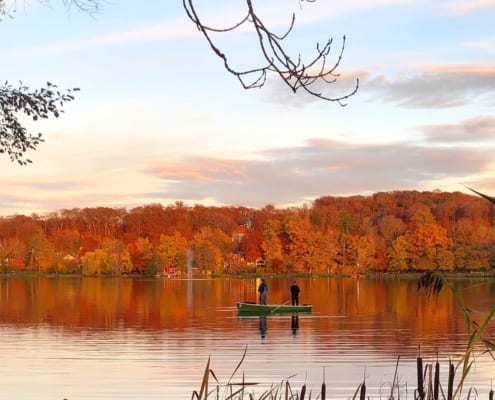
<point x="393" y="231"/>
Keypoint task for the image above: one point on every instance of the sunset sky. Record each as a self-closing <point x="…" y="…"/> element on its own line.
<point x="159" y="120"/>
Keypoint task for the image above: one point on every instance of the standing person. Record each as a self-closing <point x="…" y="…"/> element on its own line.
<point x="263" y="291"/>
<point x="294" y="294"/>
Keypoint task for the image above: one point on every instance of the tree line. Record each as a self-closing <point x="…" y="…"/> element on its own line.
<point x="398" y="231"/>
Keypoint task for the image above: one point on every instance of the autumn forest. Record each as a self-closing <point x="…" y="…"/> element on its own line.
<point x="396" y="231"/>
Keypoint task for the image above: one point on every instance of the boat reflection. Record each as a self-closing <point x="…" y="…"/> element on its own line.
<point x="263" y="326"/>
<point x="294" y="324"/>
<point x="278" y="322"/>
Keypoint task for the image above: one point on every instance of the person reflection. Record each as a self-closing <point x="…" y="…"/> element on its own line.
<point x="294" y="324"/>
<point x="263" y="326"/>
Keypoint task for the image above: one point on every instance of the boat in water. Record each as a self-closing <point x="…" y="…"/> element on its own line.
<point x="251" y="308"/>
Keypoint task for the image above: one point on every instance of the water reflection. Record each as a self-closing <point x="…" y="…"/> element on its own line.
<point x="294" y="323"/>
<point x="263" y="326"/>
<point x="370" y="307"/>
<point x="264" y="321"/>
<point x="154" y="336"/>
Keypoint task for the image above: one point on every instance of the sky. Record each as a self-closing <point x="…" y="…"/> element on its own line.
<point x="158" y="119"/>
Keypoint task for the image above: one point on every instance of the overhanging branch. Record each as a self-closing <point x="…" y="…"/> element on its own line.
<point x="309" y="77"/>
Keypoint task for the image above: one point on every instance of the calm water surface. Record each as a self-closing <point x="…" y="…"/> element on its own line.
<point x="89" y="338"/>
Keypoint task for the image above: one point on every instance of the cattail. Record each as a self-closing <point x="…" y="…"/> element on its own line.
<point x="490" y="396"/>
<point x="303" y="392"/>
<point x="419" y="365"/>
<point x="436" y="384"/>
<point x="323" y="387"/>
<point x="362" y="393"/>
<point x="450" y="387"/>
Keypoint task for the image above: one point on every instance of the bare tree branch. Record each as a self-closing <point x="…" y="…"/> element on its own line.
<point x="308" y="77"/>
<point x="89" y="7"/>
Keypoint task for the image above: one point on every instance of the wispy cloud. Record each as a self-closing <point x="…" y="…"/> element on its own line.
<point x="203" y="170"/>
<point x="47" y="186"/>
<point x="436" y="86"/>
<point x="284" y="175"/>
<point x="321" y="167"/>
<point x="466" y="7"/>
<point x="313" y="12"/>
<point x="487" y="44"/>
<point x="427" y="86"/>
<point x="473" y="130"/>
<point x="164" y="31"/>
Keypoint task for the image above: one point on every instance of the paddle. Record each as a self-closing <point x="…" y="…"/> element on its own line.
<point x="276" y="308"/>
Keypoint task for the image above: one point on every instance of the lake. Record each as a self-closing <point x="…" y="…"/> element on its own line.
<point x="126" y="338"/>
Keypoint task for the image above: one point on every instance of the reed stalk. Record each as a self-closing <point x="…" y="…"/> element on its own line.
<point x="428" y="374"/>
<point x="419" y="370"/>
<point x="433" y="282"/>
<point x="436" y="384"/>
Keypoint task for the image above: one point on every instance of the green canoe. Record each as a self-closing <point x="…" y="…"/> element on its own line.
<point x="251" y="308"/>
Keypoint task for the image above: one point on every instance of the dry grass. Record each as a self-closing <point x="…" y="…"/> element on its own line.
<point x="428" y="387"/>
<point x="241" y="390"/>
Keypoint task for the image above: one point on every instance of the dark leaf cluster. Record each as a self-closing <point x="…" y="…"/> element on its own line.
<point x="21" y="100"/>
<point x="431" y="282"/>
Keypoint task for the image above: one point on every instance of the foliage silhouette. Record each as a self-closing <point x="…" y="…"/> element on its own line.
<point x="43" y="103"/>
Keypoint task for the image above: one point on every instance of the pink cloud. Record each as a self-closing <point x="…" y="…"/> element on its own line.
<point x="465" y="7"/>
<point x="201" y="170"/>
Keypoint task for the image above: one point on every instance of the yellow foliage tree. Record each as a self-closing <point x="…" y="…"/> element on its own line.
<point x="365" y="253"/>
<point x="272" y="245"/>
<point x="398" y="254"/>
<point x="41" y="256"/>
<point x="172" y="251"/>
<point x="206" y="256"/>
<point x="113" y="259"/>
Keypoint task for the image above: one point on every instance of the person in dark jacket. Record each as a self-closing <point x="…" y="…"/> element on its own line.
<point x="263" y="291"/>
<point x="294" y="294"/>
